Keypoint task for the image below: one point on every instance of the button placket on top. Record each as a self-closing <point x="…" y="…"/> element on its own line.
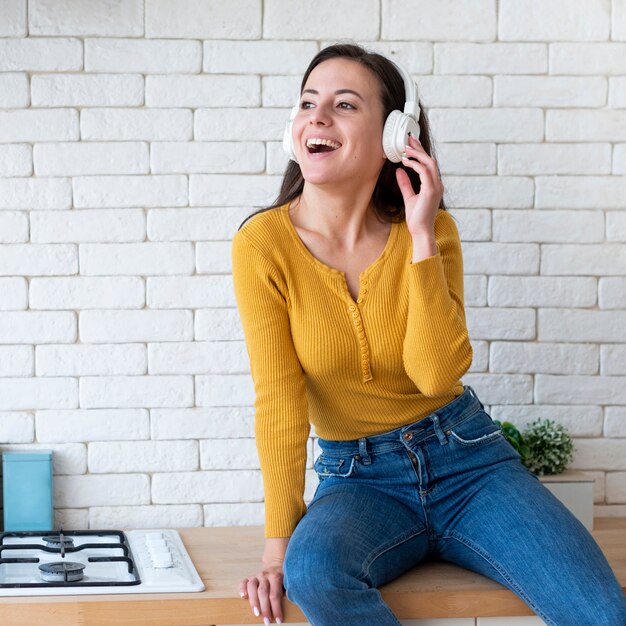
<point x="357" y="323"/>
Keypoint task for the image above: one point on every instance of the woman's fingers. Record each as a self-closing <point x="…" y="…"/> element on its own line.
<point x="253" y="595"/>
<point x="276" y="597"/>
<point x="406" y="189"/>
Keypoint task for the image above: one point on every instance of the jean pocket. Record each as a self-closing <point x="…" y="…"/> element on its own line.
<point x="326" y="466"/>
<point x="477" y="430"/>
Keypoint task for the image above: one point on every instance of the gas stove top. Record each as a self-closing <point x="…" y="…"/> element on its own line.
<point x="34" y="563"/>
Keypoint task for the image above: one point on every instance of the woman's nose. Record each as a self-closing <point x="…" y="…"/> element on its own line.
<point x="319" y="116"/>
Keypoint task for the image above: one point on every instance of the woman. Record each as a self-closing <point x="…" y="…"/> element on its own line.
<point x="350" y="291"/>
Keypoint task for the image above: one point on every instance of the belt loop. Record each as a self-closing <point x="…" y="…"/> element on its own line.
<point x="365" y="457"/>
<point x="443" y="439"/>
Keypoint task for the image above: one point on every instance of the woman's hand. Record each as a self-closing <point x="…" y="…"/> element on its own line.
<point x="264" y="590"/>
<point x="420" y="208"/>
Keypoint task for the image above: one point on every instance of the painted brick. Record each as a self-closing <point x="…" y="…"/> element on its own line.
<point x="554" y="158"/>
<point x="572" y="260"/>
<point x="545" y="358"/>
<point x="612" y="293"/>
<point x="258" y="57"/>
<point x="542" y="291"/>
<point x="190" y="292"/>
<point x="77" y="519"/>
<point x="152" y="516"/>
<point x="214" y="257"/>
<point x="489" y="191"/>
<point x="353" y="19"/>
<point x="198" y="357"/>
<point x="558" y="20"/>
<point x="280" y="91"/>
<point x="99" y="392"/>
<point x="128" y="191"/>
<point x="98" y="17"/>
<point x="587" y="58"/>
<point x="616" y="487"/>
<point x="101" y="490"/>
<point x="473" y="224"/>
<point x="202" y="423"/>
<point x="224" y="390"/>
<point x="16" y="159"/>
<point x="203" y="91"/>
<point x="14" y="294"/>
<point x="96" y="425"/>
<point x="580" y="192"/>
<point x="501" y="323"/>
<point x="224" y="454"/>
<point x="156" y="56"/>
<point x="585" y="125"/>
<point x="197" y="224"/>
<point x="581" y="390"/>
<point x="77" y="226"/>
<point x="580" y="421"/>
<point x="207" y="487"/>
<point x="87" y="90"/>
<point x="14" y="90"/>
<point x="33" y="327"/>
<point x="203" y="19"/>
<point x="240" y="124"/>
<point x="475" y="290"/>
<point x="16" y="428"/>
<point x="199" y="157"/>
<point x="613" y="359"/>
<point x="616" y="226"/>
<point x="129" y="326"/>
<point x="35" y="193"/>
<point x="146" y="259"/>
<point x="41" y="54"/>
<point x="440" y="21"/>
<point x="491" y="58"/>
<point x="38" y="125"/>
<point x="235" y="514"/>
<point x="229" y="190"/>
<point x="604" y="454"/>
<point x="277" y="159"/>
<point x="548" y="226"/>
<point x="13" y="229"/>
<point x="588" y="326"/>
<point x="14" y="19"/>
<point x="80" y="292"/>
<point x="142" y="456"/>
<point x="91" y="360"/>
<point x="38" y="260"/>
<point x="139" y="124"/>
<point x="615" y="421"/>
<point x="550" y="91"/>
<point x="19" y="394"/>
<point x="500" y="258"/>
<point x="83" y="159"/>
<point x="480" y="360"/>
<point x="17" y="361"/>
<point x="218" y="325"/>
<point x="501" y="388"/>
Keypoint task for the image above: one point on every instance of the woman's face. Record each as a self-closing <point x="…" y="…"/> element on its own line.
<point x="338" y="131"/>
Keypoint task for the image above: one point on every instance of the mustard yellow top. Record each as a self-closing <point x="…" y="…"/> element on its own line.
<point x="352" y="369"/>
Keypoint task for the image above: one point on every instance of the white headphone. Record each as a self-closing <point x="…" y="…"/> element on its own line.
<point x="397" y="127"/>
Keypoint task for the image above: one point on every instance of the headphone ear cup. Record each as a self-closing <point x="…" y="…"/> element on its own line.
<point x="396" y="131"/>
<point x="288" y="146"/>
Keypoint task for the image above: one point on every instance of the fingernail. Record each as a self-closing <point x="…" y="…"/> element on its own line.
<point x="279" y="621"/>
<point x="242" y="594"/>
<point x="256" y="611"/>
<point x="266" y="621"/>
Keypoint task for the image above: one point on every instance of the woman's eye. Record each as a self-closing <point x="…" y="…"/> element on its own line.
<point x="305" y="104"/>
<point x="345" y="105"/>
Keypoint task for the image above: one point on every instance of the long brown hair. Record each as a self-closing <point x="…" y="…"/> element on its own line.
<point x="386" y="197"/>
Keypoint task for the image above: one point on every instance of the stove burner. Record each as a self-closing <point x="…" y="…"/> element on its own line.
<point x="61" y="572"/>
<point x="54" y="541"/>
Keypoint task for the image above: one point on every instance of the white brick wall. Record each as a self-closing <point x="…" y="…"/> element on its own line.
<point x="136" y="136"/>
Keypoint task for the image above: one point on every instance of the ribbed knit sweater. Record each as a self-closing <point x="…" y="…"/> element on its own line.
<point x="350" y="368"/>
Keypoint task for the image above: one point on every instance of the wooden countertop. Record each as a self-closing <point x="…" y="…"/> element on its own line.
<point x="223" y="555"/>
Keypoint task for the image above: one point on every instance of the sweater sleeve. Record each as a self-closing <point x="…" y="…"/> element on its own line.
<point x="281" y="412"/>
<point x="437" y="350"/>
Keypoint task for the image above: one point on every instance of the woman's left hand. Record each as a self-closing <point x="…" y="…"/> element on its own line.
<point x="420" y="208"/>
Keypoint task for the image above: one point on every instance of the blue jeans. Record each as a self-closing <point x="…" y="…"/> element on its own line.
<point x="447" y="487"/>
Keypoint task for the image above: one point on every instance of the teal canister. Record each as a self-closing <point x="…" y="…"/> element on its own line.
<point x="27" y="490"/>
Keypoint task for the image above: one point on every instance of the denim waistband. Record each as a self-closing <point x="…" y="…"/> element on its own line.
<point x="462" y="407"/>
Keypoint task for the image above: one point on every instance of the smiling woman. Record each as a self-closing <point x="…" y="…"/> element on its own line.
<point x="350" y="292"/>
